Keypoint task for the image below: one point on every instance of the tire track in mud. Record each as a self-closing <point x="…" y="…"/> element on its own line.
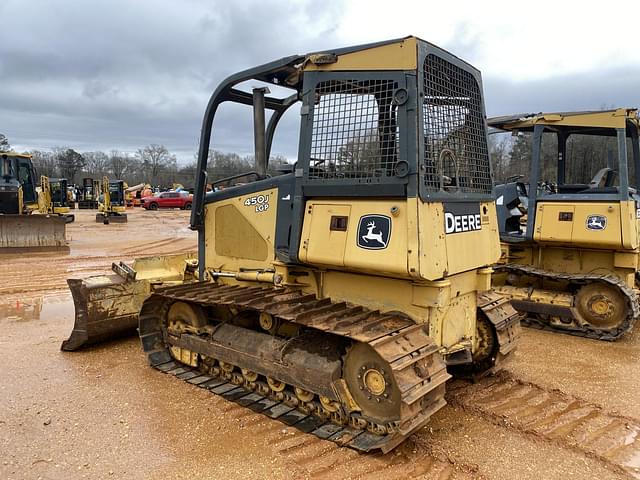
<point x="555" y="417"/>
<point x="133" y="250"/>
<point x="93" y="249"/>
<point x="310" y="457"/>
<point x="54" y="276"/>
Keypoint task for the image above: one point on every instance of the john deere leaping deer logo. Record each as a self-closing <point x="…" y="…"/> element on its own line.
<point x="373" y="237"/>
<point x="596" y="222"/>
<point x="374" y="232"/>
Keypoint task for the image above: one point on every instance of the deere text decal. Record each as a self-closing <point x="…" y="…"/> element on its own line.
<point x="462" y="217"/>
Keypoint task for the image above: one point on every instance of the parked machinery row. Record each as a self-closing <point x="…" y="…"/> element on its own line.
<point x="33" y="215"/>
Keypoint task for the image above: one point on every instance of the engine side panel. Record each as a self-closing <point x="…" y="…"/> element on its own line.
<point x="363" y="235"/>
<point x="457" y="237"/>
<point x="240" y="231"/>
<point x="606" y="225"/>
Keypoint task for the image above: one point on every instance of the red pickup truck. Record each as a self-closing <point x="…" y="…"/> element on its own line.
<point x="181" y="200"/>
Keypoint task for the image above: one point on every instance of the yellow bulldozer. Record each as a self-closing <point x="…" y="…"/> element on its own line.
<point x="21" y="227"/>
<point x="340" y="297"/>
<point x="112" y="204"/>
<point x="571" y="226"/>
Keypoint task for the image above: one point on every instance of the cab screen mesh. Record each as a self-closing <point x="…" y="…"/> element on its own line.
<point x="456" y="155"/>
<point x="355" y="132"/>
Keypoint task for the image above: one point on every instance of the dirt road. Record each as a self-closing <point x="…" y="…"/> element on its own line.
<point x="563" y="408"/>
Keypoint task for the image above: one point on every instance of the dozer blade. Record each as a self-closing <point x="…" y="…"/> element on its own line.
<point x="32" y="232"/>
<point x="107" y="306"/>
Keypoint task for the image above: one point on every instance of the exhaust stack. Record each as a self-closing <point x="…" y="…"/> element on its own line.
<point x="259" y="136"/>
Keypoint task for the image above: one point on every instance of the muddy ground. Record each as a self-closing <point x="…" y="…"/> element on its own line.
<point x="563" y="407"/>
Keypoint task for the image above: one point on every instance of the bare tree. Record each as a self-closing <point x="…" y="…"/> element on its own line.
<point x="96" y="163"/>
<point x="118" y="163"/>
<point x="223" y="165"/>
<point x="499" y="153"/>
<point x="45" y="163"/>
<point x="186" y="174"/>
<point x="156" y="159"/>
<point x="358" y="155"/>
<point x="152" y="164"/>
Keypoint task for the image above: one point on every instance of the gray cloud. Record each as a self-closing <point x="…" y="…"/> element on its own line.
<point x="122" y="74"/>
<point x="585" y="91"/>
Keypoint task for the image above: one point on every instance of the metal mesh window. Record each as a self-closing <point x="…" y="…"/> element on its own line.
<point x="355" y="133"/>
<point x="456" y="155"/>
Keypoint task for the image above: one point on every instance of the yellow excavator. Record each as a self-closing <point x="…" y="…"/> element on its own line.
<point x="20" y="225"/>
<point x="339" y="297"/>
<point x="571" y="226"/>
<point x="111" y="204"/>
<point x="53" y="198"/>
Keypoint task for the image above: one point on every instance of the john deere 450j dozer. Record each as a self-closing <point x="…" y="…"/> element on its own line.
<point x="335" y="297"/>
<point x="571" y="234"/>
<point x="21" y="227"/>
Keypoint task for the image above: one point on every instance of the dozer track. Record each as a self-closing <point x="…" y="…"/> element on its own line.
<point x="389" y="362"/>
<point x="567" y="319"/>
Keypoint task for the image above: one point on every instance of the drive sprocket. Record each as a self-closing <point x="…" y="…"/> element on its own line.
<point x="372" y="384"/>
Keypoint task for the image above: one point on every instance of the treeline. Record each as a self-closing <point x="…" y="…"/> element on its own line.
<point x="153" y="164"/>
<point x="586" y="154"/>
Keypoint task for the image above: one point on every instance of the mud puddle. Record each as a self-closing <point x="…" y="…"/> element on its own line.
<point x="34" y="308"/>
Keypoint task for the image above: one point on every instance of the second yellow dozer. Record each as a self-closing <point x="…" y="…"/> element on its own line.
<point x="571" y="228"/>
<point x="339" y="297"/>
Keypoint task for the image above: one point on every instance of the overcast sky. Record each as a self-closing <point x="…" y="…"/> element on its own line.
<point x="98" y="75"/>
